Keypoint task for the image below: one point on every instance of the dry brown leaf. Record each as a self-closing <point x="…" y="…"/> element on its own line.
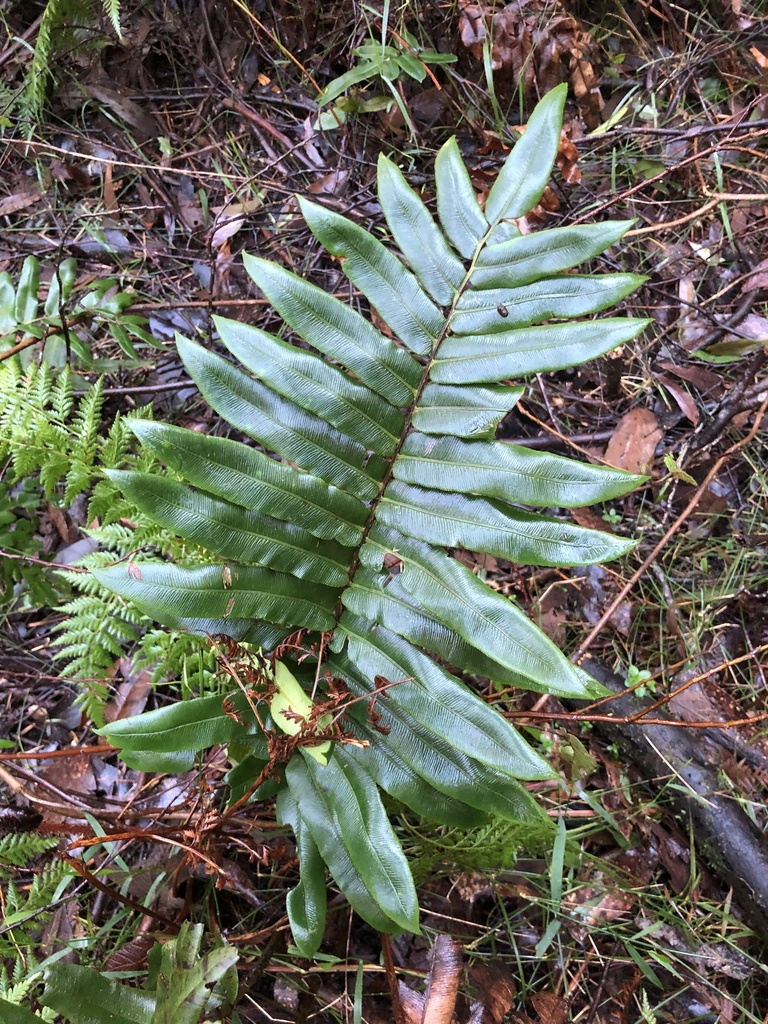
<point x="333" y="183"/>
<point x="551" y="1009"/>
<point x="567" y="160"/>
<point x="613" y="906"/>
<point x="472" y="28"/>
<point x="705" y="380"/>
<point x="553" y="614"/>
<point x="411" y="1004"/>
<point x="537" y="45"/>
<point x="18" y="201"/>
<point x="496" y="987"/>
<point x="131" y="695"/>
<point x="758" y="277"/>
<point x="634" y="441"/>
<point x="595" y="590"/>
<point x="132" y="956"/>
<point x="592" y="521"/>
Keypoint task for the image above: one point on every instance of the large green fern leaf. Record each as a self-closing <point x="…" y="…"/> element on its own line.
<point x="379" y="452"/>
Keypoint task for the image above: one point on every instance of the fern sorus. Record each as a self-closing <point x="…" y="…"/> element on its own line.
<point x="387" y="459"/>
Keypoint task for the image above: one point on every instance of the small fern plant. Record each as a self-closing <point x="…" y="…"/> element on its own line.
<point x="386" y="460"/>
<point x="65" y="25"/>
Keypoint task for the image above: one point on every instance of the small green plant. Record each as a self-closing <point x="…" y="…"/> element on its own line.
<point x="65" y="25"/>
<point x="640" y="680"/>
<point x="54" y="450"/>
<point x="184" y="986"/>
<point x="335" y="556"/>
<point x="68" y="317"/>
<point x="385" y="63"/>
<point x="51" y="449"/>
<point x="612" y="516"/>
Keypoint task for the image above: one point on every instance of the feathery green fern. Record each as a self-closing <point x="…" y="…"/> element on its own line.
<point x="53" y="449"/>
<point x="387" y="461"/>
<point x="65" y="24"/>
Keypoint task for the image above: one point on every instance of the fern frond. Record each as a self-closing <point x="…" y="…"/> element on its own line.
<point x="377" y="458"/>
<point x="19" y="849"/>
<point x="112" y="10"/>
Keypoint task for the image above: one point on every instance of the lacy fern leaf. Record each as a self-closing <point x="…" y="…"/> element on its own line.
<point x="386" y="460"/>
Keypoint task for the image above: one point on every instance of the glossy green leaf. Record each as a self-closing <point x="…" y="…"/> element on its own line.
<point x="153" y="761"/>
<point x="525" y="174"/>
<point x="242" y="776"/>
<point x="8" y="319"/>
<point x="61" y="285"/>
<point x="463" y="411"/>
<point x="369" y="837"/>
<point x="380" y="276"/>
<point x="462" y="219"/>
<point x="420" y="240"/>
<point x="309" y="785"/>
<point x="354" y="76"/>
<point x="438" y="760"/>
<point x="26" y="292"/>
<point x="234" y="532"/>
<point x="544" y="253"/>
<point x="478" y="358"/>
<point x="401" y="780"/>
<point x="382" y="598"/>
<point x="10" y="1013"/>
<point x="339" y="331"/>
<point x="187" y="725"/>
<point x="249" y="478"/>
<point x="458" y="598"/>
<point x="186" y="976"/>
<point x="496" y="310"/>
<point x="510" y="472"/>
<point x="281" y="425"/>
<point x="480" y="524"/>
<point x="307" y="902"/>
<point x="439" y="703"/>
<point x="83" y="996"/>
<point x="120" y="335"/>
<point x="315" y="385"/>
<point x="168" y="592"/>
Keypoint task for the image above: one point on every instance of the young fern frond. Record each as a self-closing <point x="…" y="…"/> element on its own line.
<point x="387" y="461"/>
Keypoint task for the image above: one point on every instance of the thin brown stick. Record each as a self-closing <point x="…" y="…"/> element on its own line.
<point x="114" y="894"/>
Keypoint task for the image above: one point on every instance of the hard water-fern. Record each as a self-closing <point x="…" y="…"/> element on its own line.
<point x="387" y="460"/>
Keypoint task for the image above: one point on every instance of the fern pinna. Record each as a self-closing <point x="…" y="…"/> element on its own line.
<point x="387" y="458"/>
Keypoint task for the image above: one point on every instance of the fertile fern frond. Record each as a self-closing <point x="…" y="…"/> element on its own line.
<point x="387" y="459"/>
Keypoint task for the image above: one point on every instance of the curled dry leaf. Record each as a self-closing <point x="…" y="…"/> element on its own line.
<point x="685" y="402"/>
<point x="443" y="981"/>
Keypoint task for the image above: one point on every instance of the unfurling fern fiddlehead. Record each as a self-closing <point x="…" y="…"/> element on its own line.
<point x="387" y="458"/>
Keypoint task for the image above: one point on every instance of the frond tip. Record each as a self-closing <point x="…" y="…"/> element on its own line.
<point x="384" y="454"/>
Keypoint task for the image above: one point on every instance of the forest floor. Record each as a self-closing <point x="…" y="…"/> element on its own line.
<point x="157" y="161"/>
